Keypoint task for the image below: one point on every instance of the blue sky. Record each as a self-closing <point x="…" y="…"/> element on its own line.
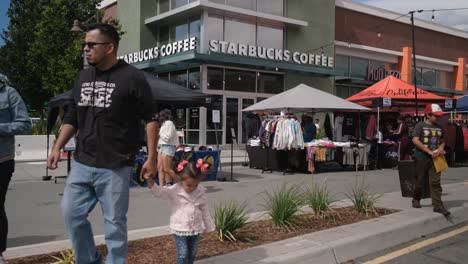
<point x="3" y="17"/>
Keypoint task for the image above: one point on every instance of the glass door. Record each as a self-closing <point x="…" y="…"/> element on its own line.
<point x="248" y="125"/>
<point x="232" y="119"/>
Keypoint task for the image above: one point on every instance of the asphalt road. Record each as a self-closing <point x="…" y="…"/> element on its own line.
<point x="449" y="250"/>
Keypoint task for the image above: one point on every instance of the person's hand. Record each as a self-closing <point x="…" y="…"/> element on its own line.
<point x="150" y="181"/>
<point x="53" y="159"/>
<point x="149" y="169"/>
<point x="441" y="151"/>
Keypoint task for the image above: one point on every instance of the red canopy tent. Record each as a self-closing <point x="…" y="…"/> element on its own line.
<point x="392" y="92"/>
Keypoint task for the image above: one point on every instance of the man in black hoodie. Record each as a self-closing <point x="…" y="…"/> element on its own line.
<point x="110" y="100"/>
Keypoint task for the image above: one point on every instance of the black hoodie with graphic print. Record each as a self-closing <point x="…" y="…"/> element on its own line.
<point x="107" y="112"/>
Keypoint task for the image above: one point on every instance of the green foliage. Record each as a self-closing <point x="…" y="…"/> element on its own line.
<point x="229" y="218"/>
<point x="363" y="199"/>
<point x="41" y="56"/>
<point x="66" y="257"/>
<point x="282" y="204"/>
<point x="319" y="198"/>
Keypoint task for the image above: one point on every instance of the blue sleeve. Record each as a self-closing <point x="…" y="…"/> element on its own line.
<point x="20" y="122"/>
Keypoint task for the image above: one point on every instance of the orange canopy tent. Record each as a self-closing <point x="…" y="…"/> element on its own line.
<point x="395" y="93"/>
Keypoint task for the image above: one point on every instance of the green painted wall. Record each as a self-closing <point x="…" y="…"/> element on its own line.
<point x="132" y="15"/>
<point x="320" y="14"/>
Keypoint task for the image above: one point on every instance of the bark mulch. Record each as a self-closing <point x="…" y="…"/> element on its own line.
<point x="162" y="249"/>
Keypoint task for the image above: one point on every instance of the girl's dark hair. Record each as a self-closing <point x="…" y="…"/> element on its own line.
<point x="194" y="170"/>
<point x="164" y="115"/>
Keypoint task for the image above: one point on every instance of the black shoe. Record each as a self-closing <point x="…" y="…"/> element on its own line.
<point x="441" y="210"/>
<point x="416" y="204"/>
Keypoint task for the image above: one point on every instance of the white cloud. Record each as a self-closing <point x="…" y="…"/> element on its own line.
<point x="455" y="18"/>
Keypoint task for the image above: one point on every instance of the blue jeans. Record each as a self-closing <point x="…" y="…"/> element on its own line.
<point x="84" y="188"/>
<point x="187" y="247"/>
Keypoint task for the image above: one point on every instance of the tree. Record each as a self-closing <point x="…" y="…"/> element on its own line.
<point x="20" y="34"/>
<point x="41" y="56"/>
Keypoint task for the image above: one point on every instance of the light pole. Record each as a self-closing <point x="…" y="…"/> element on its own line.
<point x="77" y="29"/>
<point x="414" y="59"/>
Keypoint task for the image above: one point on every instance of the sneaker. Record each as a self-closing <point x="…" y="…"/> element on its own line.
<point x="416" y="204"/>
<point x="441" y="210"/>
<point x="168" y="184"/>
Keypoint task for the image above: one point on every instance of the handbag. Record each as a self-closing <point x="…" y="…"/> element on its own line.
<point x="440" y="164"/>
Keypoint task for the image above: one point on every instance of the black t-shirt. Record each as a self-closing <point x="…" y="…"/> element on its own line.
<point x="429" y="134"/>
<point x="107" y="111"/>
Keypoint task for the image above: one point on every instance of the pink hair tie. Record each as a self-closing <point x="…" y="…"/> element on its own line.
<point x="181" y="165"/>
<point x="202" y="165"/>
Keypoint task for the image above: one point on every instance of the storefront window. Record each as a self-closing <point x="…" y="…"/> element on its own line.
<point x="214" y="28"/>
<point x="274" y="7"/>
<point x="163" y="35"/>
<point x="448" y="83"/>
<point x="215" y="78"/>
<point x="342" y="65"/>
<point x="194" y="28"/>
<point x="377" y="64"/>
<point x="247" y="4"/>
<point x="163" y="6"/>
<point x="218" y="1"/>
<point x="358" y="67"/>
<point x="179" y="32"/>
<point x="418" y="76"/>
<point x="269" y="37"/>
<point x="194" y="78"/>
<point x="270" y="83"/>
<point x="179" y="77"/>
<point x="428" y="77"/>
<point x="342" y="91"/>
<point x="216" y="104"/>
<point x="178" y="3"/>
<point x="164" y="76"/>
<point x="242" y="81"/>
<point x="240" y="32"/>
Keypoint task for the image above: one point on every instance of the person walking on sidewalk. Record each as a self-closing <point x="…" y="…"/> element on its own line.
<point x="429" y="142"/>
<point x="109" y="101"/>
<point x="14" y="120"/>
<point x="190" y="214"/>
<point x="168" y="141"/>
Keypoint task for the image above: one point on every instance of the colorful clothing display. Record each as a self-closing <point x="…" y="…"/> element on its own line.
<point x="282" y="134"/>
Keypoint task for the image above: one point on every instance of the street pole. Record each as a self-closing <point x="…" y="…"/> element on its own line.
<point x="414" y="61"/>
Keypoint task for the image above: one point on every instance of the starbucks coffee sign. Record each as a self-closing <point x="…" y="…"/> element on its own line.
<point x="270" y="53"/>
<point x="165" y="50"/>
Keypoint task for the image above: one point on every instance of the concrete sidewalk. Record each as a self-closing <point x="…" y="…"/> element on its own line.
<point x="348" y="242"/>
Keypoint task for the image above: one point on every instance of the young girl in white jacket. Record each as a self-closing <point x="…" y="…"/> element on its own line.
<point x="168" y="141"/>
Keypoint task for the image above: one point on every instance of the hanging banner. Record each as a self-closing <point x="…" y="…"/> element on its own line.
<point x="387" y="102"/>
<point x="448" y="104"/>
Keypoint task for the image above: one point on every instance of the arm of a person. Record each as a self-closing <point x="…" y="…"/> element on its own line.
<point x="144" y="97"/>
<point x="441" y="148"/>
<point x="417" y="142"/>
<point x="20" y="122"/>
<point x="161" y="191"/>
<point x="398" y="132"/>
<point x="207" y="219"/>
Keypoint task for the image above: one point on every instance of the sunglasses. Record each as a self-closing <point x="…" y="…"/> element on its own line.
<point x="92" y="44"/>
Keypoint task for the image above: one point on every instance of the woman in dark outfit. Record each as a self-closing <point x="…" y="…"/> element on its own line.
<point x="403" y="140"/>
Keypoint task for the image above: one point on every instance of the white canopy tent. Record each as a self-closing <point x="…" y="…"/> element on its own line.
<point x="305" y="98"/>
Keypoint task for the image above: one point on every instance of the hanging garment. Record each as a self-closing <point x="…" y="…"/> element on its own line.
<point x="465" y="138"/>
<point x="338" y="129"/>
<point x="348" y="126"/>
<point x="371" y="128"/>
<point x="460" y="145"/>
<point x="328" y="127"/>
